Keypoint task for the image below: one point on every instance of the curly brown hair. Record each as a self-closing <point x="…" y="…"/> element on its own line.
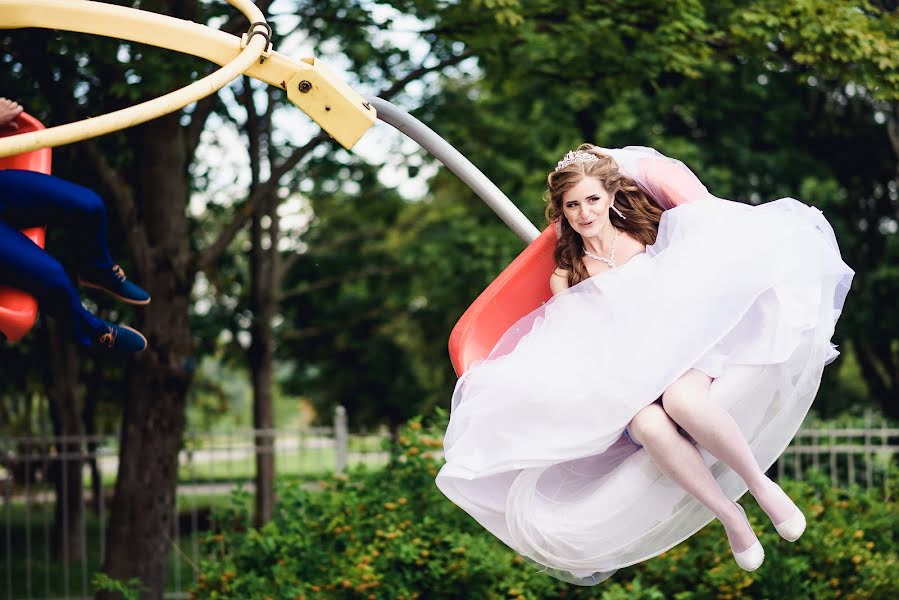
<point x="641" y="212"/>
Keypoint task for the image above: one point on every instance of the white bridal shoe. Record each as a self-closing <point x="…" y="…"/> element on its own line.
<point x="751" y="558"/>
<point x="793" y="527"/>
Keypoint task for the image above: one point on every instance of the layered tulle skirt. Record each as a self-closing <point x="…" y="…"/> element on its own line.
<point x="534" y="448"/>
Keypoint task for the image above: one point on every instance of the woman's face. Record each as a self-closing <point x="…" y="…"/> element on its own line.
<point x="586" y="206"/>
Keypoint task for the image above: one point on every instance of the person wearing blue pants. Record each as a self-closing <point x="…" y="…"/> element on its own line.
<point x="30" y="199"/>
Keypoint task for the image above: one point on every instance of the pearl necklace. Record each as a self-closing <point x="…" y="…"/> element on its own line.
<point x="609" y="261"/>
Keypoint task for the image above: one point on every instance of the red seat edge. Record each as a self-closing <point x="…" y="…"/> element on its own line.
<point x="18" y="310"/>
<point x="519" y="289"/>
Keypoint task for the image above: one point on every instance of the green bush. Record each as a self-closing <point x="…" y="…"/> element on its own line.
<point x="848" y="551"/>
<point x="393" y="535"/>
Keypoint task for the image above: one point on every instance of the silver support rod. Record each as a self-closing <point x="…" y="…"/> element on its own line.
<point x="458" y="164"/>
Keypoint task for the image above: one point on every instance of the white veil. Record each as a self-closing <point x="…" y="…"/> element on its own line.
<point x="669" y="181"/>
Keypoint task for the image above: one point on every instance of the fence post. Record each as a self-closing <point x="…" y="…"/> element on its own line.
<point x="816" y="448"/>
<point x="833" y="459"/>
<point x="341" y="437"/>
<point x="869" y="472"/>
<point x="886" y="471"/>
<point x="6" y="488"/>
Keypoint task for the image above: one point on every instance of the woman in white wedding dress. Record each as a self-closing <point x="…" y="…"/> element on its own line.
<point x="678" y="357"/>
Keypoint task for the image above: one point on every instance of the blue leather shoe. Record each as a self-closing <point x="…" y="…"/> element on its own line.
<point x="114" y="282"/>
<point x="122" y="339"/>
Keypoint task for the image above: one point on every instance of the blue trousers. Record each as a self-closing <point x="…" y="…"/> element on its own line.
<point x="29" y="199"/>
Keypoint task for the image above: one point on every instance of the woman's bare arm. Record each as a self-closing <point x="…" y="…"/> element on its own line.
<point x="558" y="281"/>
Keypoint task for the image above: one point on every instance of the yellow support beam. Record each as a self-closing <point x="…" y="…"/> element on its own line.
<point x="327" y="99"/>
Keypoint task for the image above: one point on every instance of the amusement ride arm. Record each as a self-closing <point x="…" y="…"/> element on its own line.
<point x="329" y="101"/>
<point x="324" y="97"/>
<point x="458" y="164"/>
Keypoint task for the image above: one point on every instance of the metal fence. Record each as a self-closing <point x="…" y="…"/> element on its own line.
<point x="34" y="564"/>
<point x="859" y="456"/>
<point x="34" y="567"/>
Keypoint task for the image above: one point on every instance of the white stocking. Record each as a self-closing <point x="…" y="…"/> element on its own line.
<point x="687" y="402"/>
<point x="681" y="462"/>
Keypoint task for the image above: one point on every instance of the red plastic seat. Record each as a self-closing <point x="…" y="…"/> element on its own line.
<point x="519" y="289"/>
<point x="18" y="310"/>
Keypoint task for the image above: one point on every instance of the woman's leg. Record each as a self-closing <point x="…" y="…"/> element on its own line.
<point x="679" y="459"/>
<point x="30" y="199"/>
<point x="25" y="266"/>
<point x="687" y="402"/>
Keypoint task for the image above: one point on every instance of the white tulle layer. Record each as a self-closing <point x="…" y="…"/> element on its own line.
<point x="534" y="448"/>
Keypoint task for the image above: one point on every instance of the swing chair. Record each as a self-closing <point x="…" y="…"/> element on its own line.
<point x="18" y="310"/>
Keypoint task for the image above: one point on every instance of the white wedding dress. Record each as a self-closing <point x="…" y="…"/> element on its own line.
<point x="534" y="448"/>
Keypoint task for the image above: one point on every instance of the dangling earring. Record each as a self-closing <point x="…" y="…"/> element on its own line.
<point x="618" y="212"/>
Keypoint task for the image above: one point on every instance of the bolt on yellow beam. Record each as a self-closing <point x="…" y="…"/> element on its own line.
<point x="327" y="99"/>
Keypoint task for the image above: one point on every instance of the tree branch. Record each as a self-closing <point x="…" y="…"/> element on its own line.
<point x="878" y="384"/>
<point x="315" y="331"/>
<point x="325" y="282"/>
<point x="198" y="118"/>
<point x="210" y="255"/>
<point x="893" y="130"/>
<point x="893" y="135"/>
<point x="421" y="72"/>
<point x="123" y="197"/>
<point x="334" y="244"/>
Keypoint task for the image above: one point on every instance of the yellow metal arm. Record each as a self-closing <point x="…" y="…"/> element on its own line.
<point x="328" y="100"/>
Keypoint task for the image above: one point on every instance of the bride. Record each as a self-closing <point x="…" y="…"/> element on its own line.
<point x="682" y="348"/>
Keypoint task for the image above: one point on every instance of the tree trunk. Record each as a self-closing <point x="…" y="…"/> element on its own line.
<point x="65" y="413"/>
<point x="263" y="305"/>
<point x="261" y="365"/>
<point x="143" y="509"/>
<point x="89" y="420"/>
<point x="879" y="376"/>
<point x="261" y="354"/>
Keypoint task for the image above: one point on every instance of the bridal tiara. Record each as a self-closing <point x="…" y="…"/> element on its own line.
<point x="575" y="156"/>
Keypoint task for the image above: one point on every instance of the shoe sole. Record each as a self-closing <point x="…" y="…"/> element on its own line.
<point x="131" y="301"/>
<point x="133" y="330"/>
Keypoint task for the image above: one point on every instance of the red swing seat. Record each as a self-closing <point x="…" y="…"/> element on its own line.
<point x="519" y="289"/>
<point x="18" y="310"/>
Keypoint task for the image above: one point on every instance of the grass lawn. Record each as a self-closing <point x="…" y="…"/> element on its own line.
<point x="311" y="463"/>
<point x="224" y="461"/>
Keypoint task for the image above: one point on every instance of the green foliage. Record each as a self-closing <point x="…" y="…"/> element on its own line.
<point x="505" y="12"/>
<point x="129" y="589"/>
<point x="848" y="550"/>
<point x="842" y="41"/>
<point x="219" y="398"/>
<point x="377" y="536"/>
<point x="341" y="297"/>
